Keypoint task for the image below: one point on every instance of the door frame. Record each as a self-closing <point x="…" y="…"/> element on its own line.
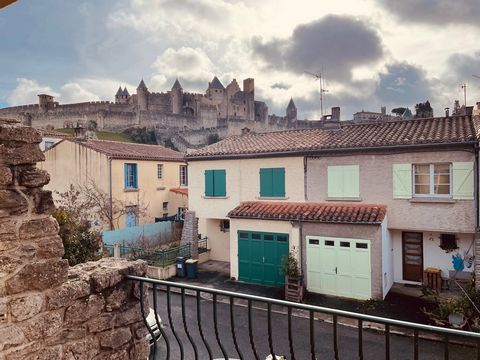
<point x="403" y="257"/>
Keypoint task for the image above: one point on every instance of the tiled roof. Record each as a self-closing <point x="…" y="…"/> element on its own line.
<point x="182" y="191"/>
<point x="123" y="150"/>
<point x="344" y="213"/>
<point x="53" y="133"/>
<point x="455" y="129"/>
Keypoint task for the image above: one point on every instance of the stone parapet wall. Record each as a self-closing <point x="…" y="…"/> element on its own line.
<point x="48" y="310"/>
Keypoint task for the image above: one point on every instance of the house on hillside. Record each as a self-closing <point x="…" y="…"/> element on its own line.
<point x="363" y="206"/>
<point x="137" y="175"/>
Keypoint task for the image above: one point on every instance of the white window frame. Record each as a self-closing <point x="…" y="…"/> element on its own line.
<point x="159" y="171"/>
<point x="183" y="175"/>
<point x="165" y="206"/>
<point x="432" y="181"/>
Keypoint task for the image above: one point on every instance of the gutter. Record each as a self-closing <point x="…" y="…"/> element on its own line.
<point x="292" y="153"/>
<point x="308" y="221"/>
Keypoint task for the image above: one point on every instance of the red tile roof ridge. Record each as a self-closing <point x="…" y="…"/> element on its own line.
<point x="183" y="191"/>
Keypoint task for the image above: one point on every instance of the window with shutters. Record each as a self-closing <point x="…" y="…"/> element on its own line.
<point x="272" y="182"/>
<point x="215" y="183"/>
<point x="343" y="182"/>
<point x="432" y="179"/>
<point x="131" y="176"/>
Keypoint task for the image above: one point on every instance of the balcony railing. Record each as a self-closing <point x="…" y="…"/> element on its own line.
<point x="204" y="323"/>
<point x="159" y="257"/>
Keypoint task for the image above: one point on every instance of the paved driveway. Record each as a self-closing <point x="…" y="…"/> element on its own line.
<point x="373" y="342"/>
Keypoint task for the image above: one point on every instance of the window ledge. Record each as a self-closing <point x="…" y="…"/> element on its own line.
<point x="131" y="190"/>
<point x="272" y="198"/>
<point x="354" y="199"/>
<point x="432" y="200"/>
<point x="161" y="188"/>
<point x="215" y="197"/>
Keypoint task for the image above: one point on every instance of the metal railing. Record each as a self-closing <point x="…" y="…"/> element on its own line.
<point x="204" y="323"/>
<point x="159" y="257"/>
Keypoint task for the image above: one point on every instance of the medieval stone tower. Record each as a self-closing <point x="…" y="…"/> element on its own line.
<point x="177" y="97"/>
<point x="121" y="97"/>
<point x="142" y="96"/>
<point x="249" y="90"/>
<point x="291" y="111"/>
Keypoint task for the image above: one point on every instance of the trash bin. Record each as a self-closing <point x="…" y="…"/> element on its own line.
<point x="192" y="268"/>
<point x="180" y="263"/>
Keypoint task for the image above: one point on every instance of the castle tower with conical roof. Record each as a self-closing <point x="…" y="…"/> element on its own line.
<point x="176" y="96"/>
<point x="291" y="111"/>
<point x="142" y="96"/>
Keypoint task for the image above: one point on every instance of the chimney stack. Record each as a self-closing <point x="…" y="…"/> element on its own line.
<point x="383" y="110"/>
<point x="447" y="112"/>
<point x="332" y="122"/>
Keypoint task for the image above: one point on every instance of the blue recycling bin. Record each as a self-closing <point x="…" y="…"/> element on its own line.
<point x="180" y="264"/>
<point x="192" y="268"/>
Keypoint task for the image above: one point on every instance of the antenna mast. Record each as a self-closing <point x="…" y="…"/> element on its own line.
<point x="464" y="87"/>
<point x="322" y="90"/>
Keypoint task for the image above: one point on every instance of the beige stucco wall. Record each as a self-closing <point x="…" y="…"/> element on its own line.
<point x="70" y="163"/>
<point x="364" y="232"/>
<point x="284" y="227"/>
<point x="243" y="183"/>
<point x="376" y="186"/>
<point x="218" y="241"/>
<point x="176" y="200"/>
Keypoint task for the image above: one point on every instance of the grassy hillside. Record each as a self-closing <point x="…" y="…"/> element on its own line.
<point x="103" y="135"/>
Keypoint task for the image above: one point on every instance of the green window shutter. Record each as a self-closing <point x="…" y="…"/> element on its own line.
<point x="335" y="181"/>
<point x="219" y="183"/>
<point x="209" y="183"/>
<point x="402" y="181"/>
<point x="351" y="179"/>
<point x="266" y="182"/>
<point x="278" y="179"/>
<point x="463" y="180"/>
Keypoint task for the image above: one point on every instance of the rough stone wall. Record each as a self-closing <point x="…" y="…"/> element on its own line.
<point x="48" y="310"/>
<point x="190" y="233"/>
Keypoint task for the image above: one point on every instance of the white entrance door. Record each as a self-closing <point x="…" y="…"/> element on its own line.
<point x="338" y="266"/>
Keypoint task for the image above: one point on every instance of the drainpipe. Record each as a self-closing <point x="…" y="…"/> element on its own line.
<point x="110" y="191"/>
<point x="305" y="177"/>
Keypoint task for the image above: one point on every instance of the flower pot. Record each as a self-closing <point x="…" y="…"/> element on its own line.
<point x="456" y="319"/>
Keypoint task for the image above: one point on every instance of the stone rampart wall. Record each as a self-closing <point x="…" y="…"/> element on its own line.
<point x="49" y="310"/>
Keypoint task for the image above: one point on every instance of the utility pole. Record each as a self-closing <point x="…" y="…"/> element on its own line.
<point x="322" y="89"/>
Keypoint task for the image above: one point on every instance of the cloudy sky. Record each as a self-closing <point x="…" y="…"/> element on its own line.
<point x="372" y="52"/>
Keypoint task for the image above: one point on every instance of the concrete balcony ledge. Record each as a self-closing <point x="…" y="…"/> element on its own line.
<point x="437" y="200"/>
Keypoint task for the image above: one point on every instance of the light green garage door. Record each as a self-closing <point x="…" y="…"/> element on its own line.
<point x="338" y="266"/>
<point x="260" y="257"/>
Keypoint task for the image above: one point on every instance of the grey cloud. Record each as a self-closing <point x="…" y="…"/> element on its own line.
<point x="336" y="43"/>
<point x="280" y="85"/>
<point x="403" y="84"/>
<point x="435" y="12"/>
<point x="463" y="66"/>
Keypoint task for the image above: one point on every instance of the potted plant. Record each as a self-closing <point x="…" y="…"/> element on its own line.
<point x="293" y="278"/>
<point x="453" y="310"/>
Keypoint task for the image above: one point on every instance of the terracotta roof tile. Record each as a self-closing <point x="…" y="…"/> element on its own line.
<point x="456" y="129"/>
<point x="133" y="151"/>
<point x="313" y="212"/>
<point x="53" y="133"/>
<point x="182" y="191"/>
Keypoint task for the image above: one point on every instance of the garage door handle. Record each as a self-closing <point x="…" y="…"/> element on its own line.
<point x="263" y="258"/>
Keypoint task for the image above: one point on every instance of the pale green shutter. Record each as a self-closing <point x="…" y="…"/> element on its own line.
<point x="335" y="181"/>
<point x="402" y="181"/>
<point x="462" y="181"/>
<point x="351" y="181"/>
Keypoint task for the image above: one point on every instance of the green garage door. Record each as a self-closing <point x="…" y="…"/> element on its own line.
<point x="338" y="266"/>
<point x="260" y="257"/>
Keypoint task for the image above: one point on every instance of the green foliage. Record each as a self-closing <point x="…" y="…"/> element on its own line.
<point x="213" y="138"/>
<point x="112" y="136"/>
<point x="399" y="111"/>
<point x="290" y="265"/>
<point x="142" y="135"/>
<point x="80" y="243"/>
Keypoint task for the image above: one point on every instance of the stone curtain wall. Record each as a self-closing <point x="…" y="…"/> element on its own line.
<point x="48" y="310"/>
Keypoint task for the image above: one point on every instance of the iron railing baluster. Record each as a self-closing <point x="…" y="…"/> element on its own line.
<point x="387" y="341"/>
<point x="172" y="326"/>
<point x="446" y="341"/>
<point x="478" y="349"/>
<point x="185" y="327"/>
<point x="142" y="308"/>
<point x="335" y="337"/>
<point x="200" y="328"/>
<point x="215" y="323"/>
<point x="415" y="344"/>
<point x="290" y="338"/>
<point x="360" y="339"/>
<point x="232" y="325"/>
<point x="269" y="329"/>
<point x="159" y="325"/>
<point x="312" y="336"/>
<point x="250" y="332"/>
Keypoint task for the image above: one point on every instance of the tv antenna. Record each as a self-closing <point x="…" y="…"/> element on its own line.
<point x="476" y="76"/>
<point x="322" y="89"/>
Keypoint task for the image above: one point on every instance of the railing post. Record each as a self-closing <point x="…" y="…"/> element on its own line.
<point x="116" y="250"/>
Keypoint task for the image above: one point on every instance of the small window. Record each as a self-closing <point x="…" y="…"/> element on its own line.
<point x="225" y="225"/>
<point x="361" y="246"/>
<point x="313" y="241"/>
<point x="131" y="176"/>
<point x="432" y="179"/>
<point x="344" y="244"/>
<point x="159" y="171"/>
<point x="256" y="236"/>
<point x="243" y="235"/>
<point x="165" y="205"/>
<point x="183" y="175"/>
<point x="448" y="242"/>
<point x="329" y="243"/>
<point x="282" y="238"/>
<point x="268" y="237"/>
